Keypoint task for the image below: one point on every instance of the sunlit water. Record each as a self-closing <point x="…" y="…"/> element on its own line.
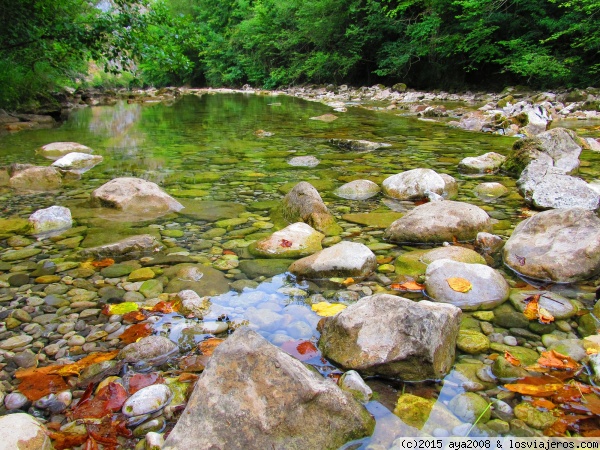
<point x="205" y="147"/>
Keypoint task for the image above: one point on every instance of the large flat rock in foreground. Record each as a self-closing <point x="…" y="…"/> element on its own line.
<point x="252" y="395"/>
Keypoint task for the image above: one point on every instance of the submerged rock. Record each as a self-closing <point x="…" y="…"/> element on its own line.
<point x="296" y="240"/>
<point x="560" y="307"/>
<point x="56" y="150"/>
<point x="142" y="244"/>
<point x="36" y="179"/>
<point x="415" y="263"/>
<point x="53" y="219"/>
<point x="358" y="190"/>
<point x="273" y="400"/>
<point x="153" y="350"/>
<point x="345" y="259"/>
<point x="439" y="222"/>
<point x="486" y="163"/>
<point x="77" y="162"/>
<point x="304" y="204"/>
<point x="561" y="245"/>
<point x="358" y="145"/>
<point x="136" y="196"/>
<point x="488" y="287"/>
<point x="393" y="336"/>
<point x="201" y="279"/>
<point x="304" y="161"/>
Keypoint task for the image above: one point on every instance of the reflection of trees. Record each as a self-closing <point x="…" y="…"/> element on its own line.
<point x="115" y="120"/>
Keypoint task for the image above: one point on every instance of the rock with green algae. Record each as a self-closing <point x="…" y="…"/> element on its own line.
<point x="533" y="417"/>
<point x="16" y="255"/>
<point x="11" y="226"/>
<point x="470" y="407"/>
<point x="254" y="268"/>
<point x="201" y="279"/>
<point x="373" y="219"/>
<point x="414" y="263"/>
<point x="142" y="274"/>
<point x="588" y="324"/>
<point x="473" y="342"/>
<point x="527" y="356"/>
<point x="506" y="316"/>
<point x="424" y="414"/>
<point x="276" y="412"/>
<point x="294" y="241"/>
<point x="210" y="210"/>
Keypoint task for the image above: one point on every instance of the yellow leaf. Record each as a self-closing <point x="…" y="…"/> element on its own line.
<point x="459" y="284"/>
<point x="123" y="308"/>
<point x="326" y="309"/>
<point x="531" y="310"/>
<point x="545" y="316"/>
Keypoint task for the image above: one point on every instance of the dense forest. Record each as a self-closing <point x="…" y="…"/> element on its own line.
<point x="443" y="44"/>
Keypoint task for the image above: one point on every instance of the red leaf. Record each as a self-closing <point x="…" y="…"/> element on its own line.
<point x="302" y="350"/>
<point x="142" y="380"/>
<point x="136" y="332"/>
<point x="109" y="400"/>
<point x="285" y="243"/>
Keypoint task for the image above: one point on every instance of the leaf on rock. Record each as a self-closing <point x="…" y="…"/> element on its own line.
<point x="92" y="358"/>
<point x="554" y="360"/>
<point x="187" y="377"/>
<point x="459" y="284"/>
<point x="531" y="310"/>
<point x="103" y="263"/>
<point x="326" y="309"/>
<point x="167" y="307"/>
<point x="208" y="346"/>
<point x="511" y="359"/>
<point x="38" y="385"/>
<point x="543" y="403"/>
<point x="348" y="281"/>
<point x="122" y="308"/>
<point x="134" y="316"/>
<point x="407" y="286"/>
<point x="285" y="243"/>
<point x="64" y="441"/>
<point x="141" y="380"/>
<point x="544" y="390"/>
<point x="136" y="332"/>
<point x="109" y="399"/>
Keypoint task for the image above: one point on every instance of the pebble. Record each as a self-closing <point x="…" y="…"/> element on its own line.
<point x="510" y="340"/>
<point x="148" y="400"/>
<point x="15" y="400"/>
<point x="16" y="342"/>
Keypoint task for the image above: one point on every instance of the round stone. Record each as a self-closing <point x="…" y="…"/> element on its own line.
<point x="148" y="400"/>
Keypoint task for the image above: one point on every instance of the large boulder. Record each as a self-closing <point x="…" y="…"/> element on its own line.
<point x="560" y="245"/>
<point x="487" y="163"/>
<point x="439" y="222"/>
<point x="544" y="186"/>
<point x="304" y="204"/>
<point x="488" y="288"/>
<point x="49" y="220"/>
<point x="134" y="195"/>
<point x="22" y="431"/>
<point x="56" y="150"/>
<point x="294" y="241"/>
<point x="393" y="337"/>
<point x="345" y="259"/>
<point x="36" y="179"/>
<point x="271" y="400"/>
<point x="414" y="184"/>
<point x="559" y="148"/>
<point x="143" y="244"/>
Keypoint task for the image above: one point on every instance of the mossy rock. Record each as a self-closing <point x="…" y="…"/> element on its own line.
<point x="12" y="226"/>
<point x="414" y="263"/>
<point x="540" y="420"/>
<point x="319" y="185"/>
<point x="96" y="237"/>
<point x="523" y="152"/>
<point x="210" y="210"/>
<point x="373" y="220"/>
<point x="470" y="407"/>
<point x="267" y="268"/>
<point x="413" y="410"/>
<point x="473" y="342"/>
<point x="507" y="372"/>
<point x="527" y="356"/>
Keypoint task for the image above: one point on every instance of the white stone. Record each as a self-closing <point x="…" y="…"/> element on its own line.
<point x="22" y="431"/>
<point x="148" y="400"/>
<point x="48" y="220"/>
<point x="76" y="161"/>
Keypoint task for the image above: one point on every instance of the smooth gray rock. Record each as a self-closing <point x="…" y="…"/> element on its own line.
<point x="304" y="204"/>
<point x="557" y="305"/>
<point x="142" y="244"/>
<point x="56" y="150"/>
<point x="136" y="196"/>
<point x="487" y="163"/>
<point x="252" y="395"/>
<point x="393" y="336"/>
<point x="345" y="259"/>
<point x="358" y="190"/>
<point x="560" y="245"/>
<point x="52" y="219"/>
<point x="148" y="400"/>
<point x="304" y="161"/>
<point x="153" y="350"/>
<point x="413" y="184"/>
<point x="439" y="222"/>
<point x="489" y="288"/>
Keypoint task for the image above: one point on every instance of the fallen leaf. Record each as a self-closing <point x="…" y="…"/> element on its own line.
<point x="193" y="363"/>
<point x="64" y="441"/>
<point x="228" y="252"/>
<point x="511" y="359"/>
<point x="531" y="310"/>
<point x="208" y="346"/>
<point x="326" y="309"/>
<point x="167" y="307"/>
<point x="92" y="358"/>
<point x="141" y="380"/>
<point x="545" y="316"/>
<point x="520" y="260"/>
<point x="285" y="243"/>
<point x="407" y="286"/>
<point x="543" y="403"/>
<point x="121" y="308"/>
<point x="302" y="350"/>
<point x="109" y="399"/>
<point x="134" y="316"/>
<point x="39" y="385"/>
<point x="103" y="262"/>
<point x="554" y="360"/>
<point x="136" y="332"/>
<point x="459" y="284"/>
<point x="187" y="377"/>
<point x="544" y="390"/>
<point x="348" y="281"/>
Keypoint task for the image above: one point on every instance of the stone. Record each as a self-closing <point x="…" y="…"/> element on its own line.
<point x="490" y="191"/>
<point x="16" y="342"/>
<point x="415" y="263"/>
<point x="296" y="240"/>
<point x="151" y="288"/>
<point x="192" y="303"/>
<point x="439" y="222"/>
<point x="153" y="350"/>
<point x="373" y="219"/>
<point x="561" y="245"/>
<point x="325" y="118"/>
<point x="36" y="179"/>
<point x="534" y="417"/>
<point x="267" y="268"/>
<point x="470" y="407"/>
<point x="557" y="305"/>
<point x="559" y="148"/>
<point x="358" y="145"/>
<point x="272" y="398"/>
<point x="148" y="400"/>
<point x="304" y="161"/>
<point x="22" y="431"/>
<point x="413" y="184"/>
<point x="77" y="162"/>
<point x="393" y="337"/>
<point x="51" y="220"/>
<point x="358" y="190"/>
<point x="304" y="204"/>
<point x="134" y="246"/>
<point x="352" y="382"/>
<point x="472" y="342"/>
<point x="488" y="287"/>
<point x="134" y="196"/>
<point x="423" y="414"/>
<point x="197" y="277"/>
<point x="142" y="274"/>
<point x="345" y="259"/>
<point x="487" y="163"/>
<point x="14" y="225"/>
<point x="56" y="150"/>
<point x="210" y="210"/>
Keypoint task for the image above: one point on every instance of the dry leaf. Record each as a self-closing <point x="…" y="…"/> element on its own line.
<point x="326" y="309"/>
<point x="208" y="346"/>
<point x="545" y="316"/>
<point x="531" y="310"/>
<point x="459" y="284"/>
<point x="141" y="380"/>
<point x="302" y="350"/>
<point x="348" y="281"/>
<point x="187" y="377"/>
<point x="109" y="399"/>
<point x="136" y="332"/>
<point x="39" y="385"/>
<point x="544" y="390"/>
<point x="92" y="358"/>
<point x="408" y="286"/>
<point x="543" y="403"/>
<point x="134" y="316"/>
<point x="511" y="359"/>
<point x="554" y="360"/>
<point x="103" y="263"/>
<point x="167" y="307"/>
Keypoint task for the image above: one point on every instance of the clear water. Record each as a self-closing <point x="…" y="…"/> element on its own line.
<point x="205" y="148"/>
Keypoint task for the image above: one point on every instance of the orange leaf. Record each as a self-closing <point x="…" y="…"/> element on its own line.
<point x="136" y="332"/>
<point x="141" y="380"/>
<point x="511" y="359"/>
<point x="408" y="286"/>
<point x="103" y="262"/>
<point x="348" y="281"/>
<point x="545" y="316"/>
<point x="208" y="346"/>
<point x="543" y="403"/>
<point x="531" y="310"/>
<point x="134" y="316"/>
<point x="187" y="377"/>
<point x="92" y="358"/>
<point x="459" y="284"/>
<point x="228" y="252"/>
<point x="302" y="350"/>
<point x="109" y="399"/>
<point x="167" y="307"/>
<point x="554" y="360"/>
<point x="544" y="390"/>
<point x="64" y="441"/>
<point x="38" y="385"/>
